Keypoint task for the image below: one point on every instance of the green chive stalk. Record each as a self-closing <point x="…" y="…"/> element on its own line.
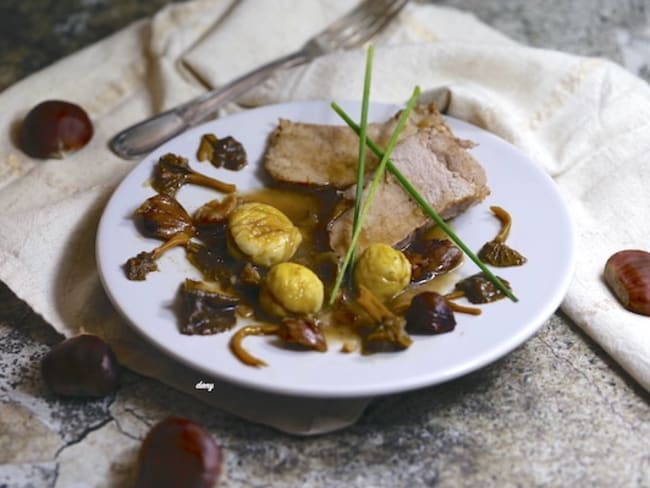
<point x="363" y="139"/>
<point x="374" y="184"/>
<point x="425" y="206"/>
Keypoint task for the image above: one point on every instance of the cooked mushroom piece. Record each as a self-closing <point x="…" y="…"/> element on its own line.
<point x="227" y="152"/>
<point x="302" y="332"/>
<point x="432" y="257"/>
<point x="388" y="336"/>
<point x="429" y="313"/>
<point x="497" y="252"/>
<point x="173" y="171"/>
<point x="215" y="213"/>
<point x="138" y="267"/>
<point x="207" y="309"/>
<point x="237" y="346"/>
<point x="250" y="275"/>
<point x="210" y="262"/>
<point x="479" y="289"/>
<point x="388" y="333"/>
<point x="161" y="217"/>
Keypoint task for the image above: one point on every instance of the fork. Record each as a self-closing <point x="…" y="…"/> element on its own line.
<point x="349" y="31"/>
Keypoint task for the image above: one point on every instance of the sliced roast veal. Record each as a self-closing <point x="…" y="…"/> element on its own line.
<point x="441" y="170"/>
<point x="327" y="155"/>
<point x="437" y="163"/>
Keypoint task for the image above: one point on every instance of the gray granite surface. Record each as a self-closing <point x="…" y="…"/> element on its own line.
<point x="555" y="412"/>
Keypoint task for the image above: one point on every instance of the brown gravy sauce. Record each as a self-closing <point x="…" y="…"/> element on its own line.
<point x="310" y="210"/>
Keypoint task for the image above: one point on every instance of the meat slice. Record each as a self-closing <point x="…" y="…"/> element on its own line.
<point x="442" y="170"/>
<point x="326" y="155"/>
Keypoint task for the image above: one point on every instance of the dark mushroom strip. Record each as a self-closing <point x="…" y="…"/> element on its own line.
<point x="432" y="257"/>
<point x="479" y="289"/>
<point x="207" y="309"/>
<point x="173" y="171"/>
<point x="302" y="332"/>
<point x="211" y="263"/>
<point x="497" y="252"/>
<point x="227" y="152"/>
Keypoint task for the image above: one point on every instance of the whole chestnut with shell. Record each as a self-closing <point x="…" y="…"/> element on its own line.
<point x="81" y="366"/>
<point x="54" y="128"/>
<point x="627" y="273"/>
<point x="178" y="452"/>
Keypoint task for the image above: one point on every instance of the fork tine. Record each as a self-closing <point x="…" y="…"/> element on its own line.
<point x="368" y="18"/>
<point x="373" y="24"/>
<point x="371" y="12"/>
<point x="365" y="14"/>
<point x="353" y="17"/>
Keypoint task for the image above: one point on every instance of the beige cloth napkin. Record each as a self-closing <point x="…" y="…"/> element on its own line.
<point x="586" y="121"/>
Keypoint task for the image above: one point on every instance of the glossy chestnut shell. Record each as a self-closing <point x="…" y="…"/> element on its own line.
<point x="82" y="366"/>
<point x="627" y="273"/>
<point x="53" y="128"/>
<point x="178" y="453"/>
<point x="429" y="313"/>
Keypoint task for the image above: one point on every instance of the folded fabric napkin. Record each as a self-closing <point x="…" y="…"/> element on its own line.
<point x="585" y="121"/>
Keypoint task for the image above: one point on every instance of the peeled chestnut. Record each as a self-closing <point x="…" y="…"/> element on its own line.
<point x="628" y="275"/>
<point x="53" y="128"/>
<point x="82" y="366"/>
<point x="178" y="452"/>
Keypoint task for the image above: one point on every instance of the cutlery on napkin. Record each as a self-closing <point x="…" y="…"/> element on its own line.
<point x="586" y="121"/>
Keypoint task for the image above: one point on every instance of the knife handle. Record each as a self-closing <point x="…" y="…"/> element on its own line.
<point x="145" y="136"/>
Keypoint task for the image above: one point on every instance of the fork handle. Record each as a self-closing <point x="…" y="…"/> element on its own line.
<point x="145" y="136"/>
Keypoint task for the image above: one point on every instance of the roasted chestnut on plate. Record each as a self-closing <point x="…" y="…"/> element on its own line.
<point x="429" y="313"/>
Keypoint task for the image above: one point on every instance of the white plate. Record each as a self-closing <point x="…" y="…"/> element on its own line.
<point x="541" y="230"/>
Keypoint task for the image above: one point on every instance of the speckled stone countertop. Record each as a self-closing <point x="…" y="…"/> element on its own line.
<point x="555" y="412"/>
